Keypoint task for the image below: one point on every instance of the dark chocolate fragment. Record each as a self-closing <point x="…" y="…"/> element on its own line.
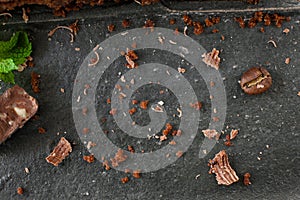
<point x="16" y="108"/>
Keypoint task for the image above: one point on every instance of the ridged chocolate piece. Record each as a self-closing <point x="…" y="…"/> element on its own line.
<point x="16" y="108"/>
<point x="60" y="152"/>
<point x="225" y="175"/>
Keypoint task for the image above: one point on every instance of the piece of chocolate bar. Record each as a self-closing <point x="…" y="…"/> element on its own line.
<point x="60" y="152"/>
<point x="16" y="108"/>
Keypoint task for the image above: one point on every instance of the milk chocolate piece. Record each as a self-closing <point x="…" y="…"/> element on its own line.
<point x="16" y="108"/>
<point x="220" y="166"/>
<point x="60" y="152"/>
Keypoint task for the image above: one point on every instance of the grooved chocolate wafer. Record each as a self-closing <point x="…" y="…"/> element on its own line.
<point x="220" y="166"/>
<point x="60" y="152"/>
<point x="16" y="108"/>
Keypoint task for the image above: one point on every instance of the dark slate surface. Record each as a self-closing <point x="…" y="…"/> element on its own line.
<point x="269" y="119"/>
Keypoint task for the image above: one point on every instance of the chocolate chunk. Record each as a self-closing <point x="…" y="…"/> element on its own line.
<point x="60" y="152"/>
<point x="220" y="166"/>
<point x="16" y="108"/>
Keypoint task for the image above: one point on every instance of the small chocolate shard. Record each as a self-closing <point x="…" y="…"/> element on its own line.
<point x="212" y="58"/>
<point x="220" y="166"/>
<point x="60" y="152"/>
<point x="16" y="108"/>
<point x="211" y="133"/>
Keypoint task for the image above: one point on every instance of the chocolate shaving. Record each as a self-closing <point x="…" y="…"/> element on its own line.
<point x="16" y="108"/>
<point x="212" y="58"/>
<point x="220" y="166"/>
<point x="60" y="152"/>
<point x="210" y="134"/>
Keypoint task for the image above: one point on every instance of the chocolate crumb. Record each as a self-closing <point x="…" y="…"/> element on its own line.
<point x="130" y="148"/>
<point x="136" y="174"/>
<point x="172" y="21"/>
<point x="241" y="21"/>
<point x="125" y="23"/>
<point x="197" y="105"/>
<point x="111" y="27"/>
<point x="119" y="158"/>
<point x="144" y="104"/>
<point x="89" y="158"/>
<point x="179" y="154"/>
<point x="187" y="20"/>
<point x="149" y="24"/>
<point x="198" y="28"/>
<point x="125" y="179"/>
<point x="247" y="179"/>
<point x="20" y="190"/>
<point x="211" y="133"/>
<point x="132" y="111"/>
<point x="212" y="58"/>
<point x="35" y="81"/>
<point x="41" y="130"/>
<point x="106" y="165"/>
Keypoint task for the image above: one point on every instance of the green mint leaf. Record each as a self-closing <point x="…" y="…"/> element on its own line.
<point x="7" y="65"/>
<point x="8" y="45"/>
<point x="20" y="51"/>
<point x="7" y="77"/>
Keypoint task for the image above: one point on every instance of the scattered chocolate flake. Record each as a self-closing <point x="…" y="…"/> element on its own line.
<point x="287" y="61"/>
<point x="286" y="31"/>
<point x="267" y="20"/>
<point x="187" y="20"/>
<point x="262" y="29"/>
<point x="181" y="70"/>
<point x="60" y="152"/>
<point x="125" y="179"/>
<point x="208" y="22"/>
<point x="247" y="179"/>
<point x="233" y="133"/>
<point x="163" y="138"/>
<point x="197" y="105"/>
<point x="41" y="130"/>
<point x="35" y="82"/>
<point x="220" y="166"/>
<point x="212" y="58"/>
<point x="106" y="165"/>
<point x="149" y="24"/>
<point x="119" y="158"/>
<point x="131" y="56"/>
<point x="20" y="191"/>
<point x="144" y="104"/>
<point x="222" y="37"/>
<point x="215" y="31"/>
<point x="211" y="133"/>
<point x="113" y="111"/>
<point x="241" y="21"/>
<point x="111" y="27"/>
<point x="172" y="21"/>
<point x="168" y="129"/>
<point x="136" y="174"/>
<point x="132" y="111"/>
<point x="24" y="15"/>
<point x="258" y="16"/>
<point x="252" y="23"/>
<point x="134" y="102"/>
<point x="125" y="23"/>
<point x="108" y="101"/>
<point x="73" y="28"/>
<point x="228" y="142"/>
<point x="16" y="108"/>
<point x="179" y="154"/>
<point x="89" y="158"/>
<point x="130" y="148"/>
<point x="198" y="28"/>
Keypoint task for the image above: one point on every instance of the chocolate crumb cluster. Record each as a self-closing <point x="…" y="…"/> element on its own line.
<point x="265" y="18"/>
<point x="198" y="26"/>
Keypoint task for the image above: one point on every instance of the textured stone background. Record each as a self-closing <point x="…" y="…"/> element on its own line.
<point x="269" y="119"/>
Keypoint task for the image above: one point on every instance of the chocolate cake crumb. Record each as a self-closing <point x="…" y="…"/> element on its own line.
<point x="60" y="152"/>
<point x="220" y="166"/>
<point x="198" y="28"/>
<point x="41" y="130"/>
<point x="119" y="158"/>
<point x="136" y="174"/>
<point x="241" y="21"/>
<point x="89" y="158"/>
<point x="125" y="179"/>
<point x="20" y="191"/>
<point x="35" y="82"/>
<point x="247" y="179"/>
<point x="187" y="20"/>
<point x="125" y="23"/>
<point x="144" y="104"/>
<point x="111" y="27"/>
